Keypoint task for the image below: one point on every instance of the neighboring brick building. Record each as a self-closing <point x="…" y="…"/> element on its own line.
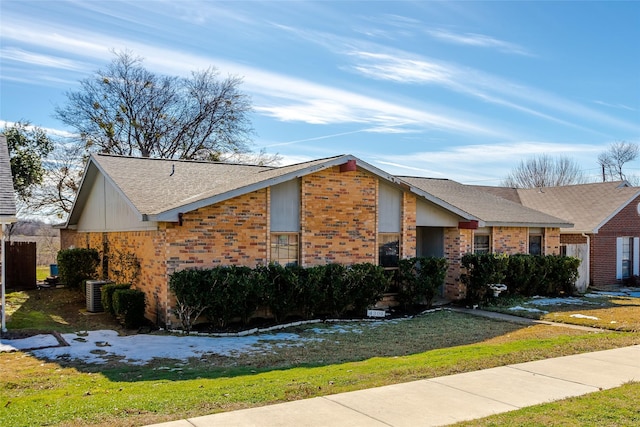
<point x="606" y="231"/>
<point x="173" y="214"/>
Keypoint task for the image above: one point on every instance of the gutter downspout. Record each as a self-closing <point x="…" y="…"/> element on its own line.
<point x="588" y="259"/>
<point x="3" y="278"/>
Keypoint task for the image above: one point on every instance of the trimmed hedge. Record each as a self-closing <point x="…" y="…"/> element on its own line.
<point x="228" y="292"/>
<point x="77" y="265"/>
<point x="107" y="295"/>
<point x="524" y="275"/>
<point x="419" y="279"/>
<point x="129" y="304"/>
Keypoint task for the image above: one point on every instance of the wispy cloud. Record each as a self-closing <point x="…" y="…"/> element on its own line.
<point x="461" y="163"/>
<point x="618" y="106"/>
<point x="478" y="40"/>
<point x="50" y="61"/>
<point x="275" y="95"/>
<point x="405" y="68"/>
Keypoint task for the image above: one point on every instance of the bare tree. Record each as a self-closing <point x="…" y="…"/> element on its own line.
<point x="126" y="109"/>
<point x="614" y="158"/>
<point x="62" y="175"/>
<point x="544" y="171"/>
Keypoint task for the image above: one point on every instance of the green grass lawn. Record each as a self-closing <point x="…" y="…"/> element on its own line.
<point x="42" y="272"/>
<point x="36" y="392"/>
<point x="64" y="392"/>
<point x="615" y="407"/>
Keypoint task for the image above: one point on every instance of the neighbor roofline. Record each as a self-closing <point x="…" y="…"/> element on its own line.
<point x="615" y="212"/>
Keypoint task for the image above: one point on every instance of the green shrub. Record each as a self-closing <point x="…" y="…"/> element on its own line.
<point x="481" y="271"/>
<point x="524" y="275"/>
<point x="311" y="297"/>
<point x="191" y="289"/>
<point x="562" y="273"/>
<point x="77" y="265"/>
<point x="334" y="287"/>
<point x="279" y="285"/>
<point x="130" y="305"/>
<point x="365" y="284"/>
<point x="419" y="279"/>
<point x="107" y="295"/>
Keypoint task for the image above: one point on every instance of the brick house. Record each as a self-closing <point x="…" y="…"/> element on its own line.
<point x="175" y="214"/>
<point x="606" y="231"/>
<point x="7" y="211"/>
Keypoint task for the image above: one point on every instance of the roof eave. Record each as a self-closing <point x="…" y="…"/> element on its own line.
<point x="529" y="224"/>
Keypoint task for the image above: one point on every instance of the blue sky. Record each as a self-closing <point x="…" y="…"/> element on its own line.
<point x="460" y="90"/>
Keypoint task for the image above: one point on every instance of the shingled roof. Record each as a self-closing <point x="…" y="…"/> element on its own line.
<point x="587" y="206"/>
<point x="492" y="209"/>
<point x="7" y="200"/>
<point x="158" y="189"/>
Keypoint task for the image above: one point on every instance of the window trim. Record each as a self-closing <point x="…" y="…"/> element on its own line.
<point x="541" y="236"/>
<point x="274" y="247"/>
<point x="482" y="234"/>
<point x="381" y="243"/>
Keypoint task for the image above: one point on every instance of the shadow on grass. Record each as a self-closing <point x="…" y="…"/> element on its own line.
<point x="56" y="309"/>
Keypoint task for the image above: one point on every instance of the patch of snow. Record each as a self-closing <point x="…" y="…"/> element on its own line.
<point x="99" y="346"/>
<point x="623" y="292"/>
<point x="36" y="341"/>
<point x="584" y="316"/>
<point x="530" y="310"/>
<point x="558" y="301"/>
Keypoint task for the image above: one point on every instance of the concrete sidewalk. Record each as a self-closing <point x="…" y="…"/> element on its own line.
<point x="445" y="400"/>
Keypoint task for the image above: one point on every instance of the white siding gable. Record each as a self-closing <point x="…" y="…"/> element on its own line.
<point x="430" y="215"/>
<point x="106" y="210"/>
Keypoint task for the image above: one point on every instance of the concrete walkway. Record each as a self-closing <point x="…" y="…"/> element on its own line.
<point x="445" y="400"/>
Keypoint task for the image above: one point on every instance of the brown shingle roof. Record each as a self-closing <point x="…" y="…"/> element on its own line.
<point x="587" y="206"/>
<point x="157" y="186"/>
<point x="490" y="208"/>
<point x="7" y="200"/>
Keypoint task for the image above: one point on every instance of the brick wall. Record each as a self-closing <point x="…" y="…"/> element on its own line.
<point x="233" y="232"/>
<point x="603" y="244"/>
<point x="408" y="241"/>
<point x="572" y="239"/>
<point x="551" y="241"/>
<point x="456" y="243"/>
<point x="338" y="218"/>
<point x="510" y="240"/>
<point x="146" y="246"/>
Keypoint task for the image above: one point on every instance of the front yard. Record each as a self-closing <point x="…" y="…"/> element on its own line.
<point x="613" y="310"/>
<point x="304" y="361"/>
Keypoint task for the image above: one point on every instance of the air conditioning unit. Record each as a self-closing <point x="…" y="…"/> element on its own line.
<point x="94" y="296"/>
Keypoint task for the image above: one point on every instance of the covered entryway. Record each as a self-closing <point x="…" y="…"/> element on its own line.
<point x="430" y="241"/>
<point x="431" y="222"/>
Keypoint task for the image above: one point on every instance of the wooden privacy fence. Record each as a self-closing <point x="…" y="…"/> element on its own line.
<point x="21" y="265"/>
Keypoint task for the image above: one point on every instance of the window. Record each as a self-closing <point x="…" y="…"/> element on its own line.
<point x="627" y="257"/>
<point x="285" y="248"/>
<point x="388" y="249"/>
<point x="481" y="244"/>
<point x="535" y="244"/>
